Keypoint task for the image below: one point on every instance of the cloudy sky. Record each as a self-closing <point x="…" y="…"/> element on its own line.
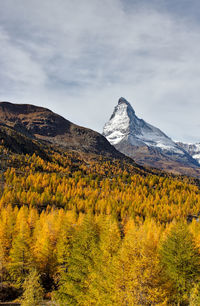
<point x="78" y="57"/>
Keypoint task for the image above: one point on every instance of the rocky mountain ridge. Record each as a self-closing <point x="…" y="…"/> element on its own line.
<point x="147" y="144"/>
<point x="27" y="129"/>
<point x="191" y="148"/>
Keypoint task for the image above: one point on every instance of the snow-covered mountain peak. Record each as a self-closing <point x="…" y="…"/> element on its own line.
<point x="123" y="109"/>
<point x="118" y="126"/>
<point x="125" y="126"/>
<point x="148" y="145"/>
<point x="123" y="101"/>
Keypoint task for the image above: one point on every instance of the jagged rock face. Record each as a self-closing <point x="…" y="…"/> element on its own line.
<point x="145" y="143"/>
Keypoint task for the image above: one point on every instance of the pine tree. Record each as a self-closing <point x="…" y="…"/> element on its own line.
<point x="181" y="262"/>
<point x="63" y="247"/>
<point x="102" y="279"/>
<point x="44" y="251"/>
<point x="33" y="292"/>
<point x="19" y="260"/>
<point x="139" y="278"/>
<point x="20" y="257"/>
<point x="74" y="284"/>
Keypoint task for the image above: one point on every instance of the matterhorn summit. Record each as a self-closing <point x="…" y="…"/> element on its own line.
<point x="125" y="126"/>
<point x="143" y="142"/>
<point x="118" y="127"/>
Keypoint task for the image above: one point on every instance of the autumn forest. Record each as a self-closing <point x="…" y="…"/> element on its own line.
<point x="96" y="232"/>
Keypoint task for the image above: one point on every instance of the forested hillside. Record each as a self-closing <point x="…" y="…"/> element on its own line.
<point x="99" y="196"/>
<point x="91" y="231"/>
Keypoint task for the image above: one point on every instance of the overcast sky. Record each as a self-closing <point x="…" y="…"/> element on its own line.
<point x="78" y="57"/>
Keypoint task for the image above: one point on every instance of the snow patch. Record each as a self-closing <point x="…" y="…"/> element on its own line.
<point x="193" y="149"/>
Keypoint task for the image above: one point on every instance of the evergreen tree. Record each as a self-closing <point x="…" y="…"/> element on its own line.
<point x="44" y="251"/>
<point x="103" y="278"/>
<point x="33" y="292"/>
<point x="63" y="247"/>
<point x="74" y="284"/>
<point x="20" y="257"/>
<point x="139" y="278"/>
<point x="181" y="261"/>
<point x="19" y="260"/>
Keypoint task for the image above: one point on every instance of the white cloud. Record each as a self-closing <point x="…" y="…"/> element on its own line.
<point x="79" y="57"/>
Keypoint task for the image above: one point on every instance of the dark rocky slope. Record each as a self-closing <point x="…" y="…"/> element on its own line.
<point x="43" y="125"/>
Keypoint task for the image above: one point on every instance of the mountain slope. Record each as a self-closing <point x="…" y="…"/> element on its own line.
<point x="38" y="123"/>
<point x="19" y="143"/>
<point x="146" y="144"/>
<point x="192" y="149"/>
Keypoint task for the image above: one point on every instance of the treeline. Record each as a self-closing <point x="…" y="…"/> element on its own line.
<point x="96" y="260"/>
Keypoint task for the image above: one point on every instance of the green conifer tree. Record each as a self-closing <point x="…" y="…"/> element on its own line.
<point x="103" y="277"/>
<point x="181" y="261"/>
<point x="19" y="260"/>
<point x="63" y="247"/>
<point x="75" y="282"/>
<point x="33" y="291"/>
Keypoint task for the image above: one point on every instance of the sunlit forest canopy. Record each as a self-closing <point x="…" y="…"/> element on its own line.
<point x="88" y="230"/>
